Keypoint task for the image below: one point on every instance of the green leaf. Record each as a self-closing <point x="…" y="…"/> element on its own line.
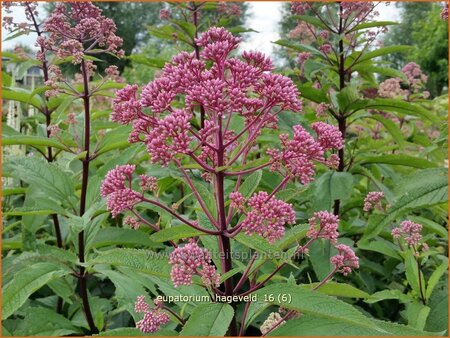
<point x="25" y="283"/>
<point x="438" y="317"/>
<point x="312" y="325"/>
<point x="311" y="303"/>
<point x="329" y="187"/>
<point x="28" y="211"/>
<point x="384" y="51"/>
<point x="366" y="25"/>
<point x="209" y="320"/>
<point x="6" y="79"/>
<point x="174" y="233"/>
<point x="39" y="321"/>
<point x="118" y="236"/>
<point x="145" y="261"/>
<point x="398" y="159"/>
<point x="402" y="107"/>
<point x="435" y="277"/>
<point x="207" y="196"/>
<point x="259" y="244"/>
<point x="391" y="127"/>
<point x="412" y="274"/>
<point x="338" y="290"/>
<point x="422" y="189"/>
<point x="250" y="183"/>
<point x="293" y="235"/>
<point x="50" y="179"/>
<point x="388" y="294"/>
<point x="21" y="95"/>
<point x="297" y="47"/>
<point x="37" y="141"/>
<point x="417" y="315"/>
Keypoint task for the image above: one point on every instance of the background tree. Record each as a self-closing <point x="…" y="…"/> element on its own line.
<point x="421" y="26"/>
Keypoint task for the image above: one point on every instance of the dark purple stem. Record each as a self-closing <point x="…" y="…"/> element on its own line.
<point x="84" y="185"/>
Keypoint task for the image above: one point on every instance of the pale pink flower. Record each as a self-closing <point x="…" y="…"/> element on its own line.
<point x="126" y="107"/>
<point x="345" y="260"/>
<point x="267" y="216"/>
<point x="409" y="231"/>
<point x="324" y="225"/>
<point x="373" y="200"/>
<point x="164" y="14"/>
<point x="190" y="260"/>
<point x="153" y="318"/>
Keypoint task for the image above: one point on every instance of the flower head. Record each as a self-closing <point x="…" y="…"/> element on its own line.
<point x="345" y="260"/>
<point x="119" y="196"/>
<point x="273" y="319"/>
<point x="267" y="216"/>
<point x="298" y="154"/>
<point x="153" y="318"/>
<point x="190" y="260"/>
<point x="72" y="25"/>
<point x="409" y="231"/>
<point x="126" y="107"/>
<point x="324" y="225"/>
<point x="373" y="200"/>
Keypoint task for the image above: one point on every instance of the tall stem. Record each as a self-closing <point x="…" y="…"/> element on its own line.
<point x="224" y="240"/>
<point x="341" y="118"/>
<point x="197" y="55"/>
<point x="50" y="158"/>
<point x="84" y="186"/>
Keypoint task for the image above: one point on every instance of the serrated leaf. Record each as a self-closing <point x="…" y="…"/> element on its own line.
<point x="435" y="277"/>
<point x="174" y="233"/>
<point x="338" y="290"/>
<point x="119" y="236"/>
<point x="39" y="321"/>
<point x="25" y="283"/>
<point x="315" y="304"/>
<point x="422" y="189"/>
<point x="209" y="320"/>
<point x="145" y="261"/>
<point x="250" y="184"/>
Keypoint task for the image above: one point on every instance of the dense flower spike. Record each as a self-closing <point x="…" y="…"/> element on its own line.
<point x="76" y="29"/>
<point x="126" y="107"/>
<point x="416" y="79"/>
<point x="169" y="137"/>
<point x="268" y="216"/>
<point x="298" y="154"/>
<point x="345" y="260"/>
<point x="409" y="231"/>
<point x="231" y="85"/>
<point x="327" y="226"/>
<point x="373" y="200"/>
<point x="119" y="196"/>
<point x="190" y="260"/>
<point x="153" y="318"/>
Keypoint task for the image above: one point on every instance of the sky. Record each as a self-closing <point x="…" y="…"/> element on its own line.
<point x="264" y="17"/>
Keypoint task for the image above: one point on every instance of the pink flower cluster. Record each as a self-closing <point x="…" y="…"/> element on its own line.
<point x="126" y="107"/>
<point x="359" y="10"/>
<point x="303" y="33"/>
<point x="373" y="200"/>
<point x="229" y="9"/>
<point x="416" y="79"/>
<point x="409" y="231"/>
<point x="298" y="154"/>
<point x="75" y="29"/>
<point x="153" y="318"/>
<point x="392" y="88"/>
<point x="190" y="260"/>
<point x="164" y="14"/>
<point x="119" y="196"/>
<point x="444" y="12"/>
<point x="324" y="225"/>
<point x="299" y="7"/>
<point x="345" y="260"/>
<point x="229" y="86"/>
<point x="267" y="216"/>
<point x="21" y="27"/>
